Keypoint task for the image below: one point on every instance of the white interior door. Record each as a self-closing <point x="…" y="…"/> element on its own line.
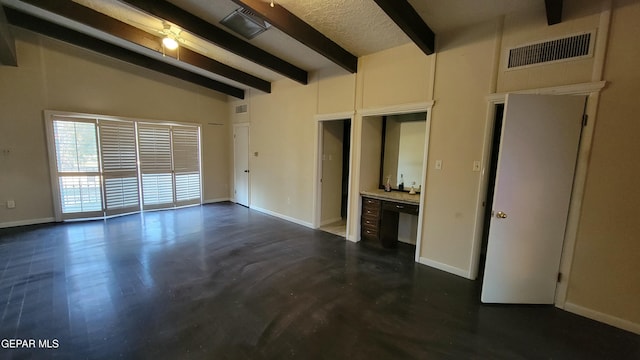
<point x="536" y="165"/>
<point x="241" y="164"/>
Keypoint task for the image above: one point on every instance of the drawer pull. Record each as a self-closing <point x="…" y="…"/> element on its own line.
<point x="399" y="206"/>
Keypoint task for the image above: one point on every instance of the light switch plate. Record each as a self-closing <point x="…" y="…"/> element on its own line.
<point x="476" y="165"/>
<point x="438" y="164"/>
<point x="11" y="204"/>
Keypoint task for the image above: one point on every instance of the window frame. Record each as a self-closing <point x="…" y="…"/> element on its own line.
<point x="51" y="115"/>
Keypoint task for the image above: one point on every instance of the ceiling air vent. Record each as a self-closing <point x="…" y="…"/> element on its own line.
<point x="241" y="109"/>
<point x="245" y="23"/>
<point x="568" y="48"/>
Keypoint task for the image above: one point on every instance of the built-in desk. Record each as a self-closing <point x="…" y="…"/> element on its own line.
<point x="380" y="214"/>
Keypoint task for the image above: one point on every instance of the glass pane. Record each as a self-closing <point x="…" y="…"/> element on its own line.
<point x="76" y="146"/>
<point x="80" y="194"/>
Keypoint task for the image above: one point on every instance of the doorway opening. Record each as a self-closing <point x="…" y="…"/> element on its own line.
<point x="491" y="183"/>
<point x="241" y="164"/>
<point x="539" y="143"/>
<point x="335" y="154"/>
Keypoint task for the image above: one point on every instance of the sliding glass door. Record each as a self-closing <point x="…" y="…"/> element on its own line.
<point x="103" y="167"/>
<point x="169" y="165"/>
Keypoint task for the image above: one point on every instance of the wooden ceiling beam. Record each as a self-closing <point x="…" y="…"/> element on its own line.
<point x="406" y="17"/>
<point x="203" y="29"/>
<point x="104" y="23"/>
<point x="554" y="11"/>
<point x="59" y="32"/>
<point x="295" y="27"/>
<point x="7" y="43"/>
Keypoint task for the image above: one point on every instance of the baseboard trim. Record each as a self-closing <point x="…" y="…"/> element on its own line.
<point x="602" y="317"/>
<point x="213" y="201"/>
<point x="283" y="217"/>
<point x="444" y="267"/>
<point x="26" y="222"/>
<point x="330" y="221"/>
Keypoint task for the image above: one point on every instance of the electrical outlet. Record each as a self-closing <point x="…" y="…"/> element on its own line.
<point x="476" y="165"/>
<point x="11" y="204"/>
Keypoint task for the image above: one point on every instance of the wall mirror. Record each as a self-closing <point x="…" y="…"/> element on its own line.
<point x="402" y="158"/>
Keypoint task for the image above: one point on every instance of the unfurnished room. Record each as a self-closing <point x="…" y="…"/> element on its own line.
<point x="319" y="179"/>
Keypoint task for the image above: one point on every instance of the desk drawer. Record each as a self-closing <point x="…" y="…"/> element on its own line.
<point x="369" y="233"/>
<point x="371" y="208"/>
<point x="400" y="207"/>
<point x="371" y="222"/>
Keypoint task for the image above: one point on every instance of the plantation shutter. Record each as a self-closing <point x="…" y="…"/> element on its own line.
<point x="186" y="164"/>
<point x="119" y="166"/>
<point x="154" y="144"/>
<point x="77" y="168"/>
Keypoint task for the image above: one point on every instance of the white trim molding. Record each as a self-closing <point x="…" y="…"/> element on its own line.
<point x="214" y="201"/>
<point x="602" y="317"/>
<point x="335" y="116"/>
<point x="398" y="109"/>
<point x="27" y="222"/>
<point x="283" y="217"/>
<point x="574" y="89"/>
<point x="444" y="267"/>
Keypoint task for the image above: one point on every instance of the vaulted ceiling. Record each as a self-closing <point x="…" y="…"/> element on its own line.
<point x="301" y="36"/>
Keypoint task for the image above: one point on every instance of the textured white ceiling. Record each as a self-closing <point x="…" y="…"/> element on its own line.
<point x="359" y="26"/>
<point x="445" y="15"/>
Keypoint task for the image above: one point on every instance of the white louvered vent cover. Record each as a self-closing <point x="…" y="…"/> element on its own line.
<point x="568" y="48"/>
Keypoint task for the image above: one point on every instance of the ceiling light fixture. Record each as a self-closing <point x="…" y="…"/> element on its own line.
<point x="271" y="4"/>
<point x="169" y="43"/>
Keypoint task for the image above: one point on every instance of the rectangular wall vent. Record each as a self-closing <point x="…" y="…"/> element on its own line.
<point x="241" y="109"/>
<point x="568" y="48"/>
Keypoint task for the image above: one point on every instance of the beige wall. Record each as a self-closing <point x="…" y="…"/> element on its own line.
<point x="370" y="149"/>
<point x="466" y="60"/>
<point x="283" y="133"/>
<point x="332" y="171"/>
<point x="56" y="76"/>
<point x="395" y="76"/>
<point x="605" y="276"/>
<point x="530" y="27"/>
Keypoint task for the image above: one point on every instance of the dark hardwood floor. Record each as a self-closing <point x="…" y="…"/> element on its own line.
<point x="225" y="282"/>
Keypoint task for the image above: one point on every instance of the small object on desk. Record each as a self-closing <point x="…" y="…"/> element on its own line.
<point x="401" y="183"/>
<point x="387" y="186"/>
<point x="412" y="191"/>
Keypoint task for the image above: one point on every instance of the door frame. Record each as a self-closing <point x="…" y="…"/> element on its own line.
<point x="248" y="126"/>
<point x="592" y="91"/>
<point x="317" y="170"/>
<point x="398" y="110"/>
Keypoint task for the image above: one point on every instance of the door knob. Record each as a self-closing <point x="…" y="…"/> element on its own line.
<point x="246" y="171"/>
<point x="501" y="215"/>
